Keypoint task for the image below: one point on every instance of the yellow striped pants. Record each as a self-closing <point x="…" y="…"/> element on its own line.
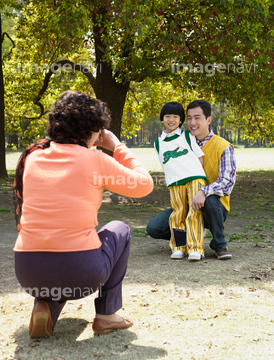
<point x="185" y="218"/>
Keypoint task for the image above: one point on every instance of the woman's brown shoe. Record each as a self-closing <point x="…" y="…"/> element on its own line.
<point x="40" y="321"/>
<point x="101" y="327"/>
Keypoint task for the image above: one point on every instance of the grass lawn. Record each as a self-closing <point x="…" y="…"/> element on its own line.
<point x="247" y="159"/>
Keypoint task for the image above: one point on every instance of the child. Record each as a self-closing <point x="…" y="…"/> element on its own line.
<point x="182" y="159"/>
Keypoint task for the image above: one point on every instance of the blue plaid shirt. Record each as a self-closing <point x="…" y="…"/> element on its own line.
<point x="223" y="186"/>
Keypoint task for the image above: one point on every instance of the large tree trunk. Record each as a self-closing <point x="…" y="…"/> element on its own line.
<point x="3" y="170"/>
<point x="113" y="93"/>
<point x="106" y="86"/>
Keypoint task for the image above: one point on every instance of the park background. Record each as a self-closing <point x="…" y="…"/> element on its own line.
<point x="136" y="56"/>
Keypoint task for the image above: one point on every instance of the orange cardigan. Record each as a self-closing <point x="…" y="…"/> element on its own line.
<point x="62" y="193"/>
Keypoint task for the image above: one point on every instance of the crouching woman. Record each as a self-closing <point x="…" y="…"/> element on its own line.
<point x="57" y="193"/>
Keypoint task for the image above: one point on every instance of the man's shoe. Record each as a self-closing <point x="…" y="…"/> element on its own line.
<point x="223" y="254"/>
<point x="40" y="321"/>
<point x="195" y="256"/>
<point x="102" y="327"/>
<point x="177" y="254"/>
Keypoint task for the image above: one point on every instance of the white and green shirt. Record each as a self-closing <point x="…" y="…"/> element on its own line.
<point x="178" y="153"/>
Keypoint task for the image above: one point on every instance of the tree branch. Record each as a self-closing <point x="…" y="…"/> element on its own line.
<point x="54" y="67"/>
<point x="13" y="44"/>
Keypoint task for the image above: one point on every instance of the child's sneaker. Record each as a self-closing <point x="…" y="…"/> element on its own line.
<point x="177" y="254"/>
<point x="195" y="256"/>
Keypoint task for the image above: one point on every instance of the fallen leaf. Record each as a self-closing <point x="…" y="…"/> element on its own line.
<point x="96" y="354"/>
<point x="144" y="305"/>
<point x="256" y="277"/>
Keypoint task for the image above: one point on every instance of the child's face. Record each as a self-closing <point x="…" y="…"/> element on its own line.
<point x="171" y="122"/>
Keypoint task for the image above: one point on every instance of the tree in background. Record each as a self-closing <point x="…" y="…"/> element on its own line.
<point x="3" y="171"/>
<point x="6" y="44"/>
<point x="213" y="47"/>
<point x="239" y="63"/>
<point x="145" y="100"/>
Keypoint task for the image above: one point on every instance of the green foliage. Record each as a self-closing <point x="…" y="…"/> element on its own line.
<point x="8" y="24"/>
<point x="237" y="44"/>
<point x="177" y="50"/>
<point x="145" y="100"/>
<point x="21" y="114"/>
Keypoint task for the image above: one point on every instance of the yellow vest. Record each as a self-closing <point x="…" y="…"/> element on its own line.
<point x="213" y="150"/>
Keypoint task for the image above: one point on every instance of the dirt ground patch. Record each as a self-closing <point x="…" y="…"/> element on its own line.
<point x="206" y="310"/>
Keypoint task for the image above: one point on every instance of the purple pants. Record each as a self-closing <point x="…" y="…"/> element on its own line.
<point x="60" y="276"/>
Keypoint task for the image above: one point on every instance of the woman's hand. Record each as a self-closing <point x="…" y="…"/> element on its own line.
<point x="107" y="140"/>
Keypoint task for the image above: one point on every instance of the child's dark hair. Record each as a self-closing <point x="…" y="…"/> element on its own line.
<point x="175" y="108"/>
<point x="203" y="104"/>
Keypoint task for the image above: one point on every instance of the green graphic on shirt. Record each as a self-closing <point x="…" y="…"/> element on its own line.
<point x="173" y="154"/>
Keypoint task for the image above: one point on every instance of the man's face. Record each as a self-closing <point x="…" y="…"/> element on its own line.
<point x="197" y="123"/>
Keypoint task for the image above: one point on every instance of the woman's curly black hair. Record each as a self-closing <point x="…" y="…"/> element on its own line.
<point x="77" y="115"/>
